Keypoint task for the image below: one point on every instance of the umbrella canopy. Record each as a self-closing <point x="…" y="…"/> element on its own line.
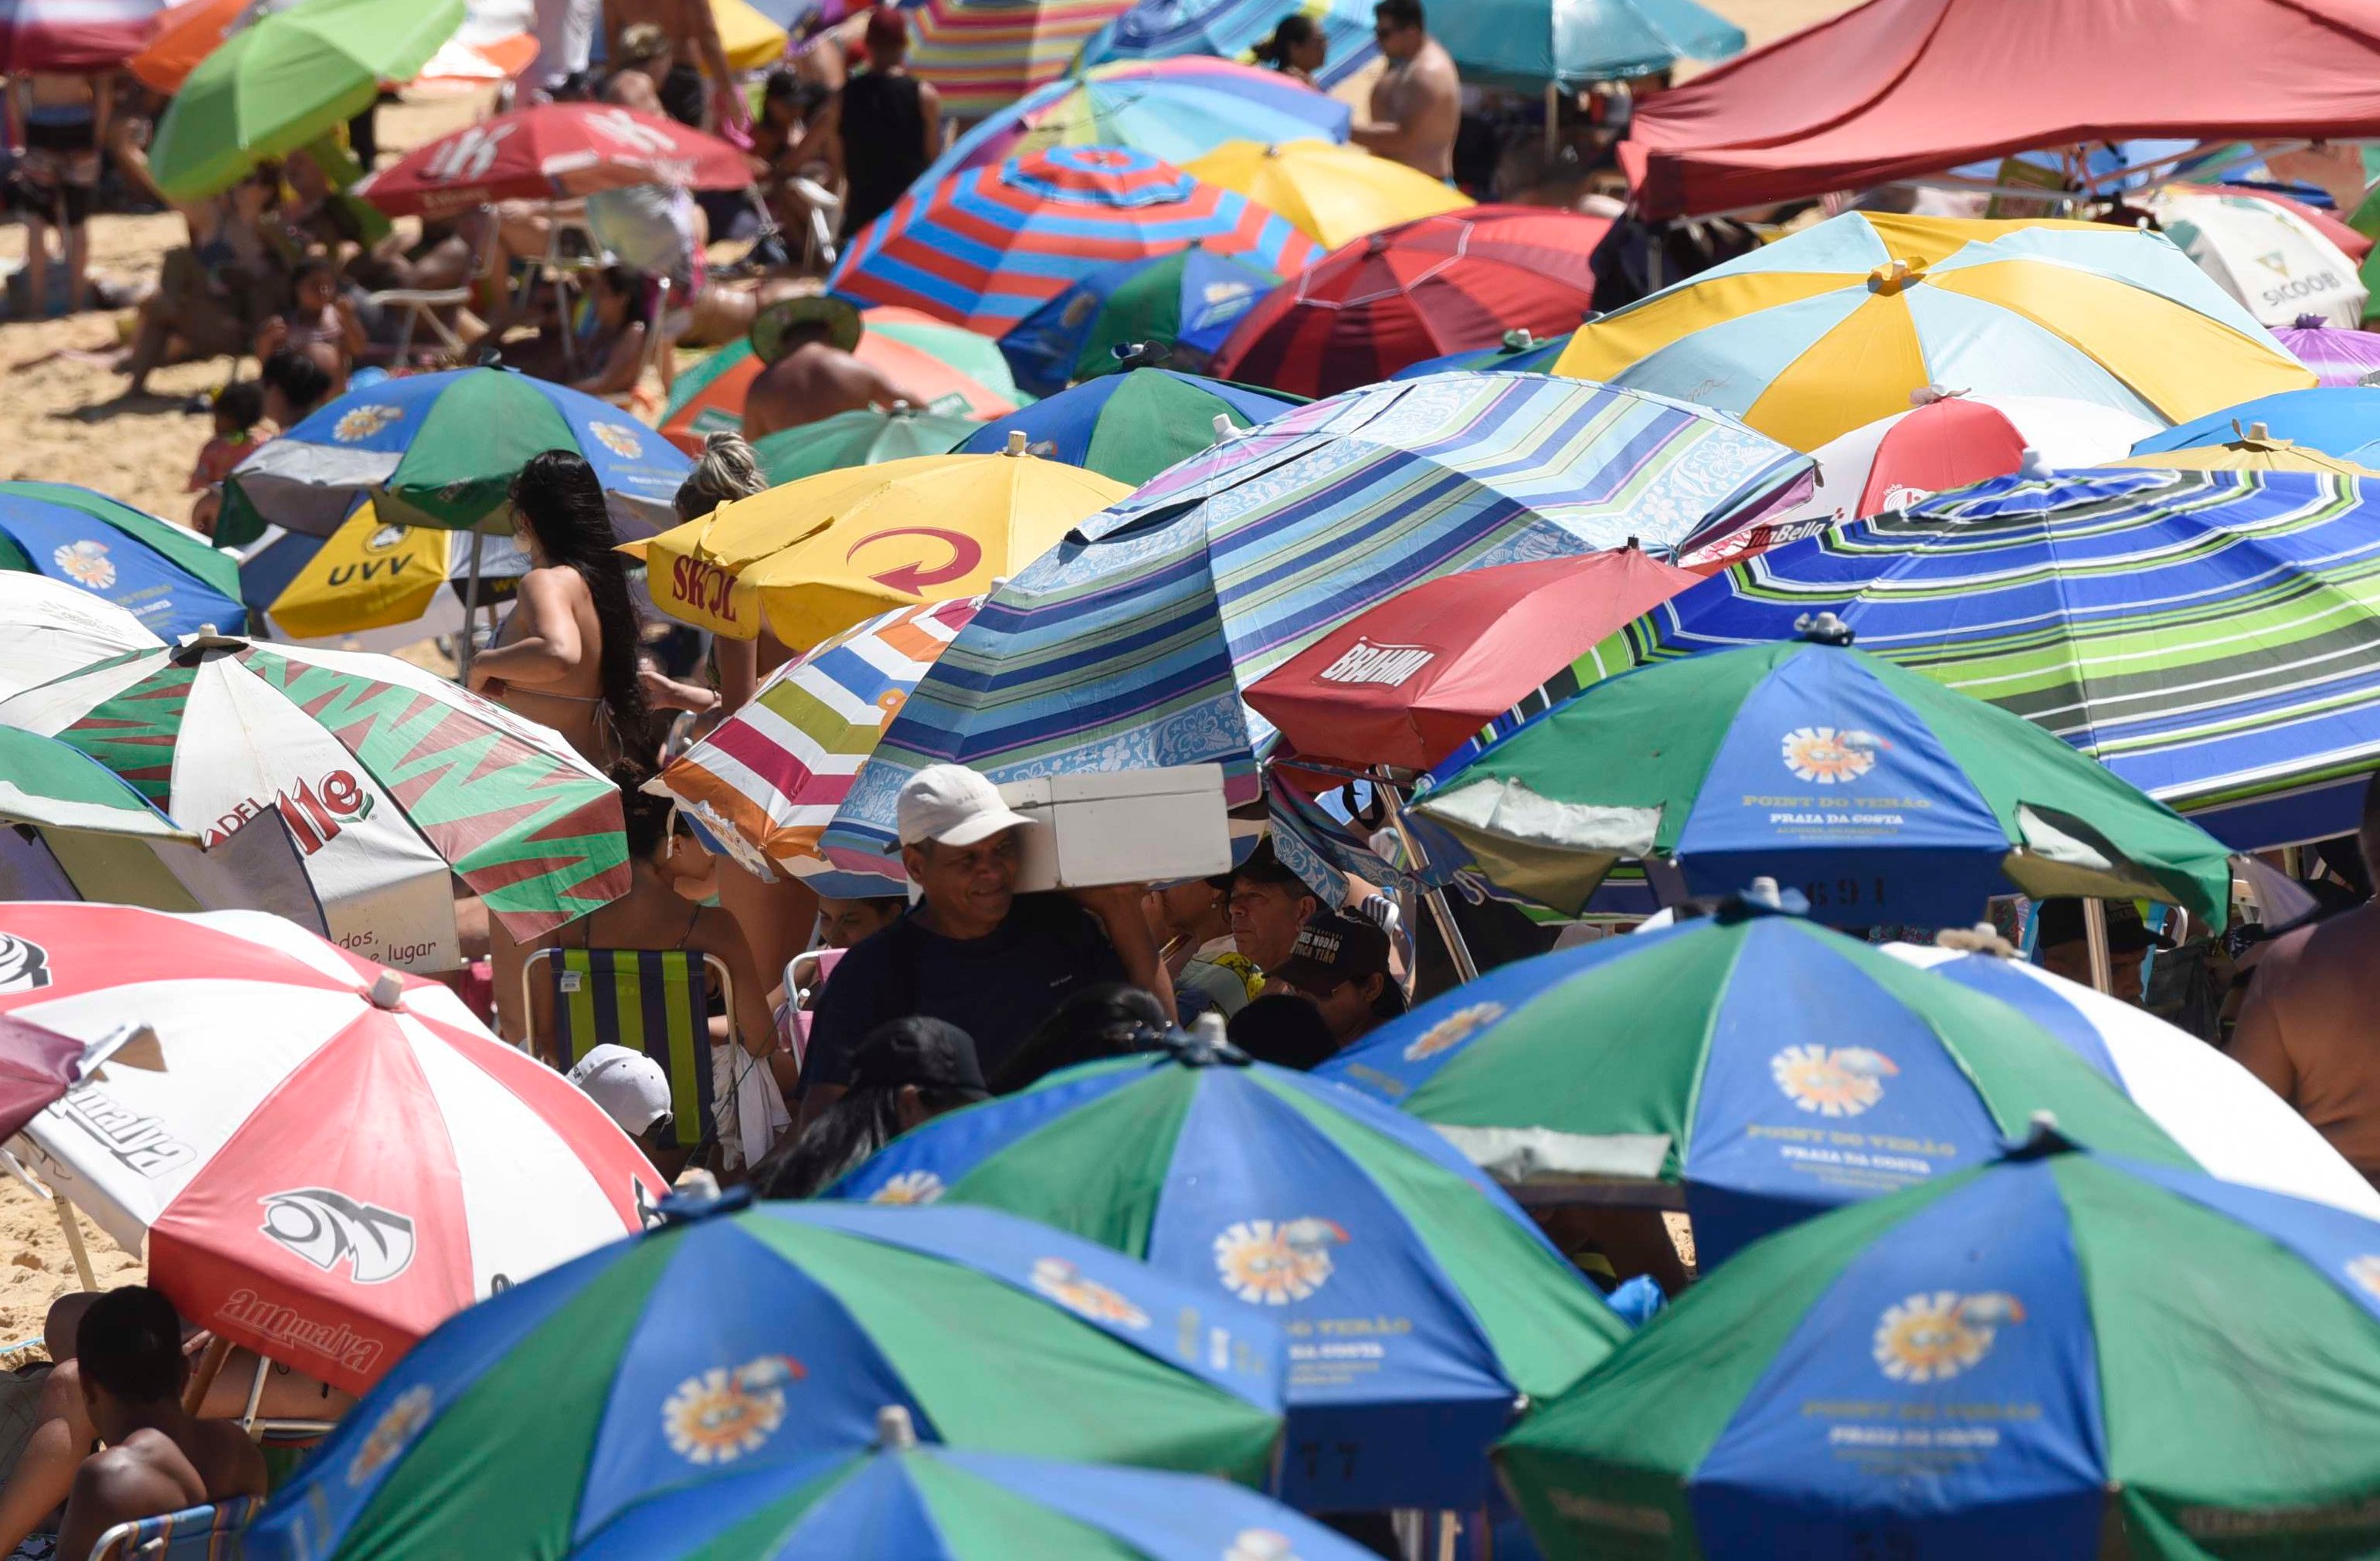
<point x="1521" y="351"/>
<point x="1423" y="289"/>
<point x="2277" y="264"/>
<point x="1130" y="427"/>
<point x="2204" y="634"/>
<point x="750" y="1339"/>
<point x="2337" y="358"/>
<point x="55" y="627"/>
<point x="768" y="778"/>
<point x="1882" y="795"/>
<point x="443" y="449"/>
<point x="866" y="438"/>
<point x="45" y="783"/>
<point x="1526" y="45"/>
<point x="1175" y="109"/>
<point x="1186" y="302"/>
<point x="1809" y="337"/>
<point x="2258" y="452"/>
<point x="557" y="151"/>
<point x="988" y="247"/>
<point x="371" y="586"/>
<point x="1232" y="28"/>
<point x="73" y="35"/>
<point x="389" y="777"/>
<point x="284" y="79"/>
<point x="325" y="1159"/>
<point x="165" y="578"/>
<point x="178" y="39"/>
<point x="2342" y="421"/>
<point x="815" y="557"/>
<point x="2163" y="1412"/>
<point x="1336" y="194"/>
<point x="1412" y="680"/>
<point x="1724" y="1053"/>
<point x="1250" y="1181"/>
<point x="981" y="56"/>
<point x="1129" y="643"/>
<point x="37" y="1068"/>
<point x="945" y="368"/>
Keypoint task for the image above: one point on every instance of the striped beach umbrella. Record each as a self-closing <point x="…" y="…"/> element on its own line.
<point x="981" y="56"/>
<point x="2213" y="637"/>
<point x="988" y="247"/>
<point x="1157" y="29"/>
<point x="1127" y="644"/>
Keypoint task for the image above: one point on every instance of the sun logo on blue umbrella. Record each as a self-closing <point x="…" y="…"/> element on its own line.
<point x="1933" y="1337"/>
<point x="1453" y="1030"/>
<point x="395" y="1429"/>
<point x="619" y="439"/>
<point x="86" y="563"/>
<point x="909" y="1187"/>
<point x="1065" y="1284"/>
<point x="1832" y="1082"/>
<point x="1827" y="755"/>
<point x="723" y="1414"/>
<point x="1261" y="1545"/>
<point x="362" y="422"/>
<point x="1272" y="1262"/>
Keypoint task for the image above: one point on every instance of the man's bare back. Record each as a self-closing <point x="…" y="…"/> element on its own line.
<point x="2309" y="1030"/>
<point x="811" y="383"/>
<point x="157" y="1470"/>
<point x="1416" y="110"/>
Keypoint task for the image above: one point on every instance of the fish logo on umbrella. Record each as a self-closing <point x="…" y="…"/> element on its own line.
<point x="1064" y="1283"/>
<point x="722" y="1415"/>
<point x="24" y="964"/>
<point x="395" y="1429"/>
<point x="86" y="563"/>
<point x="619" y="439"/>
<point x="327" y="1228"/>
<point x="1934" y="1337"/>
<point x="361" y="422"/>
<point x="909" y="1187"/>
<point x="1272" y="1262"/>
<point x="1453" y="1030"/>
<point x="1827" y="755"/>
<point x="1261" y="1545"/>
<point x="1838" y="1081"/>
<point x="2366" y="1272"/>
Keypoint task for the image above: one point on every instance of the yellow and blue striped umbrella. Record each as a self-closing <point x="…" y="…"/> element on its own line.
<point x="1833" y="327"/>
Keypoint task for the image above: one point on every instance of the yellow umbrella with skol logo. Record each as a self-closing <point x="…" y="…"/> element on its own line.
<point x="812" y="558"/>
<point x="370" y="585"/>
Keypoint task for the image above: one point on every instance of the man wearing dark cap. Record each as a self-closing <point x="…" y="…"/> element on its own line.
<point x="1342" y="963"/>
<point x="1269" y="904"/>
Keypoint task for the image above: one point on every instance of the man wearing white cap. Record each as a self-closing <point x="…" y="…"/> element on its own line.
<point x="972" y="952"/>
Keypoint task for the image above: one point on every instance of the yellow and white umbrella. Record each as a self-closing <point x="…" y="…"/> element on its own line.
<point x="373" y="586"/>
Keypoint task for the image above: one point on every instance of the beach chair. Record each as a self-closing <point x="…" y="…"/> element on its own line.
<point x="197" y="1533"/>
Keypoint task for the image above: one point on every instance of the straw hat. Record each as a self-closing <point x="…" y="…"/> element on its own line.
<point x="773" y="324"/>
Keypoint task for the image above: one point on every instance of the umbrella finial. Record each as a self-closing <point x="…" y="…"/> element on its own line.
<point x="1981" y="939"/>
<point x="895" y="1432"/>
<point x="698" y="1196"/>
<point x="1203" y="1045"/>
<point x="1017" y="442"/>
<point x="1224" y="427"/>
<point x="2308" y="322"/>
<point x="387" y="989"/>
<point x="1822" y="628"/>
<point x="2261" y="433"/>
<point x="1519" y="339"/>
<point x="2033" y="465"/>
<point x="1130" y="355"/>
<point x="2043" y="1137"/>
<point x="1761" y="897"/>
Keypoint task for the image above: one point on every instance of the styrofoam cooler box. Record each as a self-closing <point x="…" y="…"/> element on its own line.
<point x="1132" y="826"/>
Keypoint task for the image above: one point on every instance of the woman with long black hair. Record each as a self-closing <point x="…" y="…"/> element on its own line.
<point x="567" y="654"/>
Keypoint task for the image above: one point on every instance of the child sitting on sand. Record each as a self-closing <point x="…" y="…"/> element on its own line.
<point x="239" y="407"/>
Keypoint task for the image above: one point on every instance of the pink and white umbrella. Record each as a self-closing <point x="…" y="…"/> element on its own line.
<point x="553" y="152"/>
<point x="325" y="1159"/>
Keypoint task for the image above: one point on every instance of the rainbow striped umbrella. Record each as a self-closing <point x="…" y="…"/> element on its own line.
<point x="984" y="55"/>
<point x="988" y="247"/>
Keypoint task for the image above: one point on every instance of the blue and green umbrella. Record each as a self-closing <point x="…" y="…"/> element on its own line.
<point x="1519" y="353"/>
<point x="163" y="575"/>
<point x="1188" y="301"/>
<point x="861" y="438"/>
<point x="1130" y="427"/>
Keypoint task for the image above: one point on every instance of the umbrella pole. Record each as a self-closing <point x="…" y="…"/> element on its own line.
<point x="470" y="609"/>
<point x="1465" y="968"/>
<point x="210" y="1365"/>
<point x="74" y="1249"/>
<point x="2094" y="933"/>
<point x="1553" y="127"/>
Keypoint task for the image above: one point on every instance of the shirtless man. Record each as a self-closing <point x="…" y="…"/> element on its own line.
<point x="2308" y="1030"/>
<point x="806" y="343"/>
<point x="159" y="1459"/>
<point x="59" y="124"/>
<point x="693" y="34"/>
<point x="1417" y="102"/>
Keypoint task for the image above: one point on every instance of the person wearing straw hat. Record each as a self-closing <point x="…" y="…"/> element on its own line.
<point x="809" y="372"/>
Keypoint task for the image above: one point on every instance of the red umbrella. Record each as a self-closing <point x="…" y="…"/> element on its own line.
<point x="36" y="1066"/>
<point x="1422" y="289"/>
<point x="73" y="35"/>
<point x="1414" y="678"/>
<point x="556" y="153"/>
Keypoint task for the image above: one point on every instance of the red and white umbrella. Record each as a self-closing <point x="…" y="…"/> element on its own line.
<point x="554" y="152"/>
<point x="324" y="1158"/>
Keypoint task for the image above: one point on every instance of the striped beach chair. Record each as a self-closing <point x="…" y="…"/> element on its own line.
<point x="655" y="1001"/>
<point x="197" y="1533"/>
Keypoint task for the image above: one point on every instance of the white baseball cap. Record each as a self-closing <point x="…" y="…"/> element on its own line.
<point x="951" y="804"/>
<point x="630" y="1086"/>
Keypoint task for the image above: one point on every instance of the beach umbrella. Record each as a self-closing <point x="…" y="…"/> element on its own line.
<point x="2254" y="451"/>
<point x="1772" y="1068"/>
<point x="1231" y="29"/>
<point x="1521" y="351"/>
<point x="1128" y="643"/>
<point x="373" y="585"/>
<point x="2277" y="264"/>
<point x="1833" y="327"/>
<point x="1186" y="302"/>
<point x="767" y="779"/>
<point x="554" y="151"/>
<point x="1409" y="681"/>
<point x="950" y="370"/>
<point x="2338" y="420"/>
<point x="1423" y="289"/>
<point x="1336" y="194"/>
<point x="1532" y="45"/>
<point x="392" y="779"/>
<point x="2008" y="1361"/>
<point x="284" y="79"/>
<point x="179" y="38"/>
<point x="1175" y="109"/>
<point x="1883" y="796"/>
<point x="743" y="1338"/>
<point x="73" y="35"/>
<point x="1130" y="427"/>
<point x="57" y="627"/>
<point x="1247" y="1181"/>
<point x="443" y="449"/>
<point x="2203" y="634"/>
<point x="987" y="246"/>
<point x="165" y="578"/>
<point x="866" y="438"/>
<point x="324" y="1159"/>
<point x="37" y="1067"/>
<point x="981" y="56"/>
<point x="813" y="558"/>
<point x="2337" y="358"/>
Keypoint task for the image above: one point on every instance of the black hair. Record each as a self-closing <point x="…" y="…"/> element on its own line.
<point x="781" y="86"/>
<point x="310" y="266"/>
<point x="1296" y="30"/>
<point x="301" y="381"/>
<point x="645" y="818"/>
<point x="1284" y="1029"/>
<point x="630" y="283"/>
<point x="845" y="1136"/>
<point x="558" y="496"/>
<point x="241" y="403"/>
<point x="1109" y="1019"/>
<point x="1398" y="13"/>
<point x="130" y="1343"/>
